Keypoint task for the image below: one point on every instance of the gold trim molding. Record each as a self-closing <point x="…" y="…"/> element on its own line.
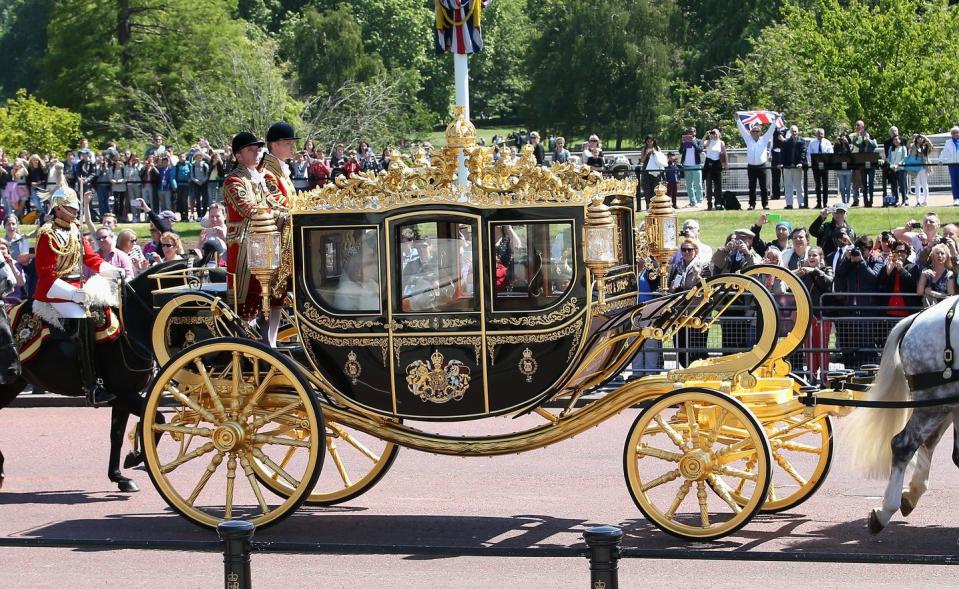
<point x="567" y="310"/>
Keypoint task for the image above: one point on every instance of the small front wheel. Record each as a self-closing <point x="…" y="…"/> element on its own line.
<point x="689" y="456"/>
<point x="214" y="412"/>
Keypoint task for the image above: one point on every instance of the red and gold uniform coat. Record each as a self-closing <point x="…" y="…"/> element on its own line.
<point x="243" y="195"/>
<point x="280" y="192"/>
<point x="61" y="253"/>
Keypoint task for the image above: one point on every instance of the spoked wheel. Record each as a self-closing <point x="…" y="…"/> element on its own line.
<point x="359" y="460"/>
<point x="229" y="403"/>
<point x="802" y="453"/>
<point x="685" y="456"/>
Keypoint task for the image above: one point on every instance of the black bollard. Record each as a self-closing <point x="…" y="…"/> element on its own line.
<point x="236" y="536"/>
<point x="603" y="544"/>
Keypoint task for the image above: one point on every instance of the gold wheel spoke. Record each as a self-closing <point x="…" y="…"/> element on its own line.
<point x="736" y="472"/>
<point x="250" y="404"/>
<point x="787" y="466"/>
<point x="703" y="503"/>
<point x="713" y="435"/>
<point x="338" y="461"/>
<point x="193" y="405"/>
<point x="665" y="478"/>
<point x="202" y="432"/>
<point x="352" y="441"/>
<point x="659" y="453"/>
<point x="264" y="439"/>
<point x="214" y="396"/>
<point x="287" y="457"/>
<point x="214" y="464"/>
<point x="261" y="421"/>
<point x="670" y="432"/>
<point x="171" y="466"/>
<point x="772" y="492"/>
<point x="693" y="423"/>
<point x="798" y="447"/>
<point x="230" y="482"/>
<point x="733" y="448"/>
<point x="251" y="477"/>
<point x="742" y="482"/>
<point x="683" y="491"/>
<point x="720" y="488"/>
<point x="277" y="469"/>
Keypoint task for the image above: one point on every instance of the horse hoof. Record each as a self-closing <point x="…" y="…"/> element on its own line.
<point x="906" y="505"/>
<point x="133" y="459"/>
<point x="875" y="526"/>
<point x="127" y="486"/>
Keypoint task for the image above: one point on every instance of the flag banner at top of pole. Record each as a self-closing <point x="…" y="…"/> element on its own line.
<point x="458" y="26"/>
<point x="764" y="117"/>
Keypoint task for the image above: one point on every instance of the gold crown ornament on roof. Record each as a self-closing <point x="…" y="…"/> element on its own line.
<point x="460" y="133"/>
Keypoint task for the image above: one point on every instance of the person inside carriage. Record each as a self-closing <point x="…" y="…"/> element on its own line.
<point x="61" y="255"/>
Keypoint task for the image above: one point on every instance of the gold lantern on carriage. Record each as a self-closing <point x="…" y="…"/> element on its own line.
<point x="662" y="233"/>
<point x="600" y="243"/>
<point x="263" y="252"/>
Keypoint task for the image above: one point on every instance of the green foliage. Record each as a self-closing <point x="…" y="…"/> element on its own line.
<point x="105" y="57"/>
<point x="611" y="81"/>
<point x="31" y="124"/>
<point x="23" y="38"/>
<point x="834" y="63"/>
<point x="498" y="76"/>
<point x="328" y="51"/>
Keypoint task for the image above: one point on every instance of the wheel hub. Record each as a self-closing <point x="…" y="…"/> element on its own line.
<point x="228" y="436"/>
<point x="695" y="465"/>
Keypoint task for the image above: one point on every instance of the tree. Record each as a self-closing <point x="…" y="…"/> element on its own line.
<point x="23" y="37"/>
<point x="31" y="124"/>
<point x="328" y="52"/>
<point x="498" y="77"/>
<point x="103" y="55"/>
<point x="814" y="68"/>
<point x="611" y="81"/>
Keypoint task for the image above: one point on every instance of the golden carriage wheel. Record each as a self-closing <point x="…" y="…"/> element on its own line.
<point x="217" y="408"/>
<point x="359" y="461"/>
<point x="684" y="456"/>
<point x="802" y="454"/>
<point x="216" y="316"/>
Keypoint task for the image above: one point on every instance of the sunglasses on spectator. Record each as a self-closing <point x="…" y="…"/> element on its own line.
<point x="687" y="249"/>
<point x="167" y="245"/>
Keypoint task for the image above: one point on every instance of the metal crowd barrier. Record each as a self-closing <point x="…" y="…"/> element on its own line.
<point x="848" y="331"/>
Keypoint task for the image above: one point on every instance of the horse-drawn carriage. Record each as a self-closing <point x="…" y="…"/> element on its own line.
<point x="419" y="301"/>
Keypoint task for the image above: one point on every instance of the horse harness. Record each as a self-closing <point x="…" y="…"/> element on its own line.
<point x="927" y="380"/>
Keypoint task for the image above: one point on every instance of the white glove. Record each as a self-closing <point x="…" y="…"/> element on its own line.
<point x="78" y="296"/>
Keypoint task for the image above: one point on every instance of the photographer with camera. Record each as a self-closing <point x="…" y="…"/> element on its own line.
<point x="858" y="274"/>
<point x="825" y="231"/>
<point x="923" y="236"/>
<point x="738" y="253"/>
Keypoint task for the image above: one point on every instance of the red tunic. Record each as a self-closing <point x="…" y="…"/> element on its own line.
<point x="47" y="260"/>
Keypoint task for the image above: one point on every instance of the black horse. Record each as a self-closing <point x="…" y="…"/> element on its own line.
<point x="125" y="364"/>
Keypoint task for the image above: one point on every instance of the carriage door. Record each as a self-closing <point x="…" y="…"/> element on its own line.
<point x="436" y="315"/>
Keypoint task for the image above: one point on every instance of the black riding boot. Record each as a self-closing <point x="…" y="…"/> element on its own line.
<point x="86" y="340"/>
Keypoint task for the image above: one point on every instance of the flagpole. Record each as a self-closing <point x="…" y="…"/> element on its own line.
<point x="461" y="76"/>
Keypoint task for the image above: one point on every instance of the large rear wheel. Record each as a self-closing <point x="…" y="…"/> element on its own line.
<point x="685" y="456"/>
<point x="228" y="404"/>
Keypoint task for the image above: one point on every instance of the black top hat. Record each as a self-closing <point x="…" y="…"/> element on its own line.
<point x="280" y="131"/>
<point x="245" y="139"/>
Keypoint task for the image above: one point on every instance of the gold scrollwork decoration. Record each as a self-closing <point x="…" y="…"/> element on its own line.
<point x="567" y="310"/>
<point x="614" y="305"/>
<point x="435" y="382"/>
<point x="475" y="341"/>
<point x="575" y="329"/>
<point x="208" y="321"/>
<point x="528" y="365"/>
<point x="417" y="323"/>
<point x="432" y="178"/>
<point x="321" y="320"/>
<point x="346" y="342"/>
<point x="454" y="322"/>
<point x="352" y="368"/>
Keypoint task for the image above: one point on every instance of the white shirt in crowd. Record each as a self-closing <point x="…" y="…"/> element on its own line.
<point x="757" y="151"/>
<point x="817" y="146"/>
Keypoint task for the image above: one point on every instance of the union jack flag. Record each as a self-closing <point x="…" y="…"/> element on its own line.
<point x="764" y="117"/>
<point x="458" y="26"/>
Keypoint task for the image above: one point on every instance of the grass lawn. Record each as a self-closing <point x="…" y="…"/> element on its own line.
<point x="714" y="226"/>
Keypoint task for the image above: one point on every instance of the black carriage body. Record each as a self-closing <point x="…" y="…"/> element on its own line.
<point x="498" y="321"/>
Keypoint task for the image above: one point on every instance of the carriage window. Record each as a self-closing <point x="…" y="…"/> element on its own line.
<point x="533" y="264"/>
<point x="436" y="267"/>
<point x="344" y="268"/>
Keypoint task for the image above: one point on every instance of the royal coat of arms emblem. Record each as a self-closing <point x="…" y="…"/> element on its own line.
<point x="435" y="382"/>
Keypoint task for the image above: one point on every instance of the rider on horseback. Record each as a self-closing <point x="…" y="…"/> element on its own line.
<point x="61" y="254"/>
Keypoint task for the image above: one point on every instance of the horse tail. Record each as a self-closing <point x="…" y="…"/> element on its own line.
<point x="870" y="431"/>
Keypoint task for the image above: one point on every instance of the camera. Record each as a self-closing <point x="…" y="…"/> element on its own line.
<point x="943" y="240"/>
<point x="916" y="225"/>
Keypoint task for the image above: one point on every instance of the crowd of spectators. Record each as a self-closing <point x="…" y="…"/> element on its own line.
<point x="852" y="279"/>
